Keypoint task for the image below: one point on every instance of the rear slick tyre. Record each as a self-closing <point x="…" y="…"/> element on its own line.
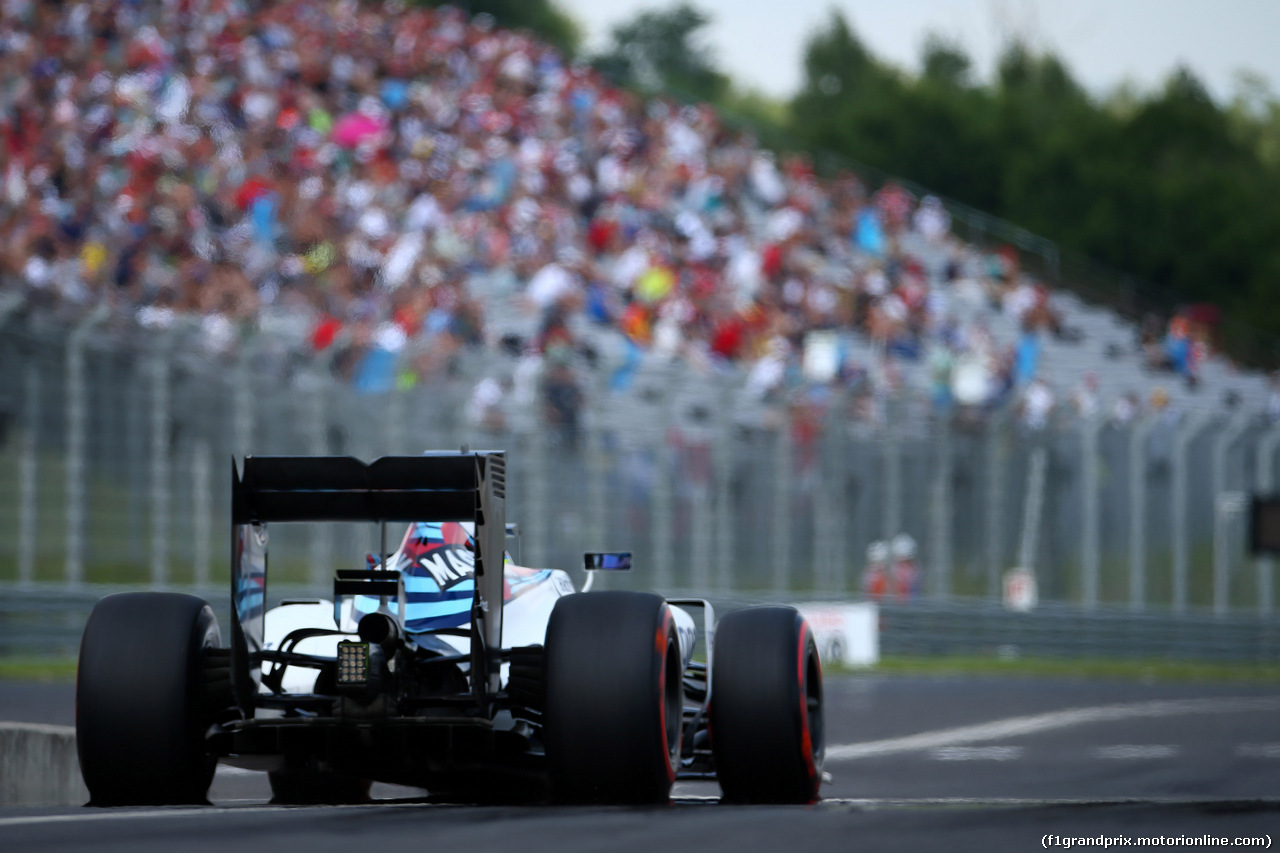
<point x="766" y="707"/>
<point x="615" y="696"/>
<point x="140" y="709"/>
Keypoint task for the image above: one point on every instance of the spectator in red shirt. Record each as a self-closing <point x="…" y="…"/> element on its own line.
<point x="906" y="569"/>
<point x="875" y="577"/>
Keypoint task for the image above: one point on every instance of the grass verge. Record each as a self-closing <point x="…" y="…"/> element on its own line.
<point x="38" y="669"/>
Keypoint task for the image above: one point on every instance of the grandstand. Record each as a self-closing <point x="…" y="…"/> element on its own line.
<point x="403" y="192"/>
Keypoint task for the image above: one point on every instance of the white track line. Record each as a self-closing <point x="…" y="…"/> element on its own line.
<point x="976" y="753"/>
<point x="1136" y="751"/>
<point x="1258" y="750"/>
<point x="1037" y="723"/>
<point x="127" y="815"/>
<point x="214" y="811"/>
<point x="891" y="802"/>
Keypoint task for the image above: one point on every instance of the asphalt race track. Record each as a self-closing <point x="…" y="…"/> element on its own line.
<point x="915" y="764"/>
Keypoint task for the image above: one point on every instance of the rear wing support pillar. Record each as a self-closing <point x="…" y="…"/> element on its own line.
<point x="491" y="546"/>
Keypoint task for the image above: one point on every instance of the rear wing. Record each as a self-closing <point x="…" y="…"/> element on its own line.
<point x="437" y="486"/>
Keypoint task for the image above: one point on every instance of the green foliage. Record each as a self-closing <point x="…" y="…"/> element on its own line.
<point x="945" y="63"/>
<point x="660" y="50"/>
<point x="756" y="108"/>
<point x="1168" y="186"/>
<point x="543" y="17"/>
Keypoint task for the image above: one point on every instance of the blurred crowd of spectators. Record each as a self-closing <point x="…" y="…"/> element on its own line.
<point x="414" y="186"/>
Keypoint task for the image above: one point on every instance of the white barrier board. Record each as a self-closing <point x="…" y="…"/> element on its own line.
<point x="847" y="634"/>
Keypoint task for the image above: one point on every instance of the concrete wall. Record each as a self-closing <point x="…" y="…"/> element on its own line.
<point x="39" y="766"/>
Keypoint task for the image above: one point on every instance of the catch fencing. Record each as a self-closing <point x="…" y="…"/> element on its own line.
<point x="115" y="453"/>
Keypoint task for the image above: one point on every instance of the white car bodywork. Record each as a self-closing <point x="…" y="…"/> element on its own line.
<point x="524" y="622"/>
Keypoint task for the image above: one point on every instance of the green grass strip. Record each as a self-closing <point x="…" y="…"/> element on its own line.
<point x="47" y="669"/>
<point x="1144" y="671"/>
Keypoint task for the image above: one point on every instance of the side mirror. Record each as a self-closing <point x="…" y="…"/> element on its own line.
<point x="607" y="561"/>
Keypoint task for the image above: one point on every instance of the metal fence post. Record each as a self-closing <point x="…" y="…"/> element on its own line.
<point x="1138" y="513"/>
<point x="839" y="495"/>
<point x="1265" y="465"/>
<point x="996" y="452"/>
<point x="136" y="414"/>
<point x="1227" y="506"/>
<point x="662" y="515"/>
<point x="1031" y="507"/>
<point x="242" y="400"/>
<point x="1180" y="465"/>
<point x="28" y="482"/>
<point x="782" y="503"/>
<point x="1224" y="506"/>
<point x="830" y="551"/>
<point x="824" y="520"/>
<point x="892" y="454"/>
<point x="700" y="529"/>
<point x="1091" y="557"/>
<point x="77" y="416"/>
<point x="538" y="491"/>
<point x="202" y="508"/>
<point x="940" y="505"/>
<point x="160" y="446"/>
<point x="320" y="542"/>
<point x="722" y="473"/>
<point x="597" y="488"/>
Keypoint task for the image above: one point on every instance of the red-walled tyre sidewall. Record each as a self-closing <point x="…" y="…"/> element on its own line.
<point x="766" y="721"/>
<point x="614" y="691"/>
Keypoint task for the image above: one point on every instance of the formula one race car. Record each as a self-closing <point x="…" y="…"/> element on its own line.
<point x="442" y="666"/>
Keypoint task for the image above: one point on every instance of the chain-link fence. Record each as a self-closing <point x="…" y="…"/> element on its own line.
<point x="114" y="468"/>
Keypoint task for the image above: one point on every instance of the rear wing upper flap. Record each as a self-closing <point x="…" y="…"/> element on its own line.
<point x="434" y="487"/>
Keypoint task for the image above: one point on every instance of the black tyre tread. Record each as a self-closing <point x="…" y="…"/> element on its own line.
<point x="756" y="724"/>
<point x="141" y="701"/>
<point x="605" y="713"/>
